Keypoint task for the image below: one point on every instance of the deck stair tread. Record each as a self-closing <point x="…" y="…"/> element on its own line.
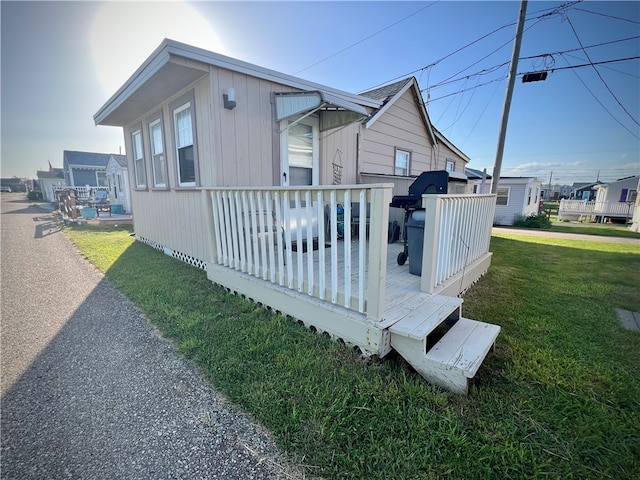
<point x="464" y="346"/>
<point x="420" y="319"/>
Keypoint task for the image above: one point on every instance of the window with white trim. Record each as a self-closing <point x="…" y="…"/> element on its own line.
<point x="450" y="166"/>
<point x="101" y="179"/>
<point x="401" y="166"/>
<point x="502" y="197"/>
<point x="158" y="164"/>
<point x="183" y="124"/>
<point x="138" y="159"/>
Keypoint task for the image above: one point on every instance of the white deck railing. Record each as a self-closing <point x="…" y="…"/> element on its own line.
<point x="295" y="237"/>
<point x="83" y="193"/>
<point x="595" y="208"/>
<point x="457" y="234"/>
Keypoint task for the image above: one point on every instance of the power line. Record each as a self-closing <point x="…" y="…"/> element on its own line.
<point x="602" y="105"/>
<point x="617" y="60"/>
<point x="599" y="75"/>
<point x="492" y="69"/>
<point x="608" y="16"/>
<point x="366" y="38"/>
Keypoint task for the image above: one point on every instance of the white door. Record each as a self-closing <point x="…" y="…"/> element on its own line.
<point x="299" y="152"/>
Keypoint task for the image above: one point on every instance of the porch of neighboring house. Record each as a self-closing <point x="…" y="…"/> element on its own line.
<point x="303" y="253"/>
<point x="595" y="210"/>
<point x="90" y="204"/>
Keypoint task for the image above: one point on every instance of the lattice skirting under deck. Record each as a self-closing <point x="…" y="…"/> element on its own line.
<point x="196" y="262"/>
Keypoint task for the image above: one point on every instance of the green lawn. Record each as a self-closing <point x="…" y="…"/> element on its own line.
<point x="559" y="398"/>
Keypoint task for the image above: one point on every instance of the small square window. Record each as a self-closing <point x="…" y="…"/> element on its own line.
<point x="451" y="166"/>
<point x="402" y="163"/>
<point x="502" y="196"/>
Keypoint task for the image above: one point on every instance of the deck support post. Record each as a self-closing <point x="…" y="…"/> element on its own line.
<point x="207" y="204"/>
<point x="378" y="229"/>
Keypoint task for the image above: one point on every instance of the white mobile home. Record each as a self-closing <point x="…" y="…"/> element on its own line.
<point x="252" y="175"/>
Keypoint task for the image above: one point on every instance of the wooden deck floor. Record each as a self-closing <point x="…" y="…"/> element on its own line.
<point x="402" y="289"/>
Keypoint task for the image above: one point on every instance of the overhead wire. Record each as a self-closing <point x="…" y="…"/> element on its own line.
<point x="366" y="38"/>
<point x="608" y="16"/>
<point x="598" y="73"/>
<point x="600" y="103"/>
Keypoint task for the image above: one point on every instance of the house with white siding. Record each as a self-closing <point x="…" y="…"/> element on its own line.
<point x="516" y="196"/>
<point x="252" y="175"/>
<point x="118" y="182"/>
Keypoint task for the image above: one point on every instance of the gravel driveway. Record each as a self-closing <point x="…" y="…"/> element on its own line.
<point x="90" y="390"/>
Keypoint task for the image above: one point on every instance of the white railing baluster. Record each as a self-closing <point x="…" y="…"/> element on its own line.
<point x="346" y="230"/>
<point x="245" y="221"/>
<point x="272" y="236"/>
<point x="299" y="241"/>
<point x="216" y="225"/>
<point x="309" y="211"/>
<point x="333" y="219"/>
<point x="288" y="239"/>
<point x="280" y="233"/>
<point x="362" y="249"/>
<point x="321" y="250"/>
<point x="228" y="221"/>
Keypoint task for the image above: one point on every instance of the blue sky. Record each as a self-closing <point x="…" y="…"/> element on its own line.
<point x="61" y="61"/>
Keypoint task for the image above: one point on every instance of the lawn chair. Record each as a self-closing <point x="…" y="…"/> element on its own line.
<point x="100" y="202"/>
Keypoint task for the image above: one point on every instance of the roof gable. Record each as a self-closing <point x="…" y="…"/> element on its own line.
<point x="389" y="94"/>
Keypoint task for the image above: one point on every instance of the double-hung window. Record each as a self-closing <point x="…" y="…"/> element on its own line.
<point x="158" y="163"/>
<point x="138" y="159"/>
<point x="401" y="166"/>
<point x="502" y="197"/>
<point x="450" y="166"/>
<point x="183" y="124"/>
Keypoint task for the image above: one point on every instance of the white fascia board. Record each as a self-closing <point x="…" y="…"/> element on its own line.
<point x="162" y="56"/>
<point x="450" y="145"/>
<point x="151" y="65"/>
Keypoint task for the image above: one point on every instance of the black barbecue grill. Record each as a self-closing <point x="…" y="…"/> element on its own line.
<point x="425" y="183"/>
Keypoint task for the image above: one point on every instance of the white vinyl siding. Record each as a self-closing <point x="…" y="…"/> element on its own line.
<point x="138" y="159"/>
<point x="158" y="162"/>
<point x="185" y="146"/>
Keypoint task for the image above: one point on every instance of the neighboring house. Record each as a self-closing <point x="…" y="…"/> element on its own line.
<point x="556" y="192"/>
<point x="584" y="191"/>
<point x="479" y="182"/>
<point x="635" y="222"/>
<point x="47" y="180"/>
<point x="516" y="196"/>
<point x="622" y="190"/>
<point x="15" y="184"/>
<point x="118" y="182"/>
<point x="82" y="169"/>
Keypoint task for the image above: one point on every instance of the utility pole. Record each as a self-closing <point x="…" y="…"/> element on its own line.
<point x="550" y="177"/>
<point x="507" y="99"/>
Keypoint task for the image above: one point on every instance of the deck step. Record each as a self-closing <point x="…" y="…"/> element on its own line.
<point x="464" y="346"/>
<point x="455" y="358"/>
<point x="420" y="321"/>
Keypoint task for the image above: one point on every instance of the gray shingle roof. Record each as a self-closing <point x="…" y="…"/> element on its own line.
<point x="386" y="92"/>
<point x="87" y="159"/>
<point x="121" y="159"/>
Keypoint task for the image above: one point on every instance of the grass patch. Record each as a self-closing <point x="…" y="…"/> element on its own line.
<point x="597" y="229"/>
<point x="560" y="397"/>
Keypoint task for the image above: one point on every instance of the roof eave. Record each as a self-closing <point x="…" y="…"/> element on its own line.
<point x="162" y="56"/>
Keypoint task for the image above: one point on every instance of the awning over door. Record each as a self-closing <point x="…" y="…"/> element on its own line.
<point x="333" y="111"/>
